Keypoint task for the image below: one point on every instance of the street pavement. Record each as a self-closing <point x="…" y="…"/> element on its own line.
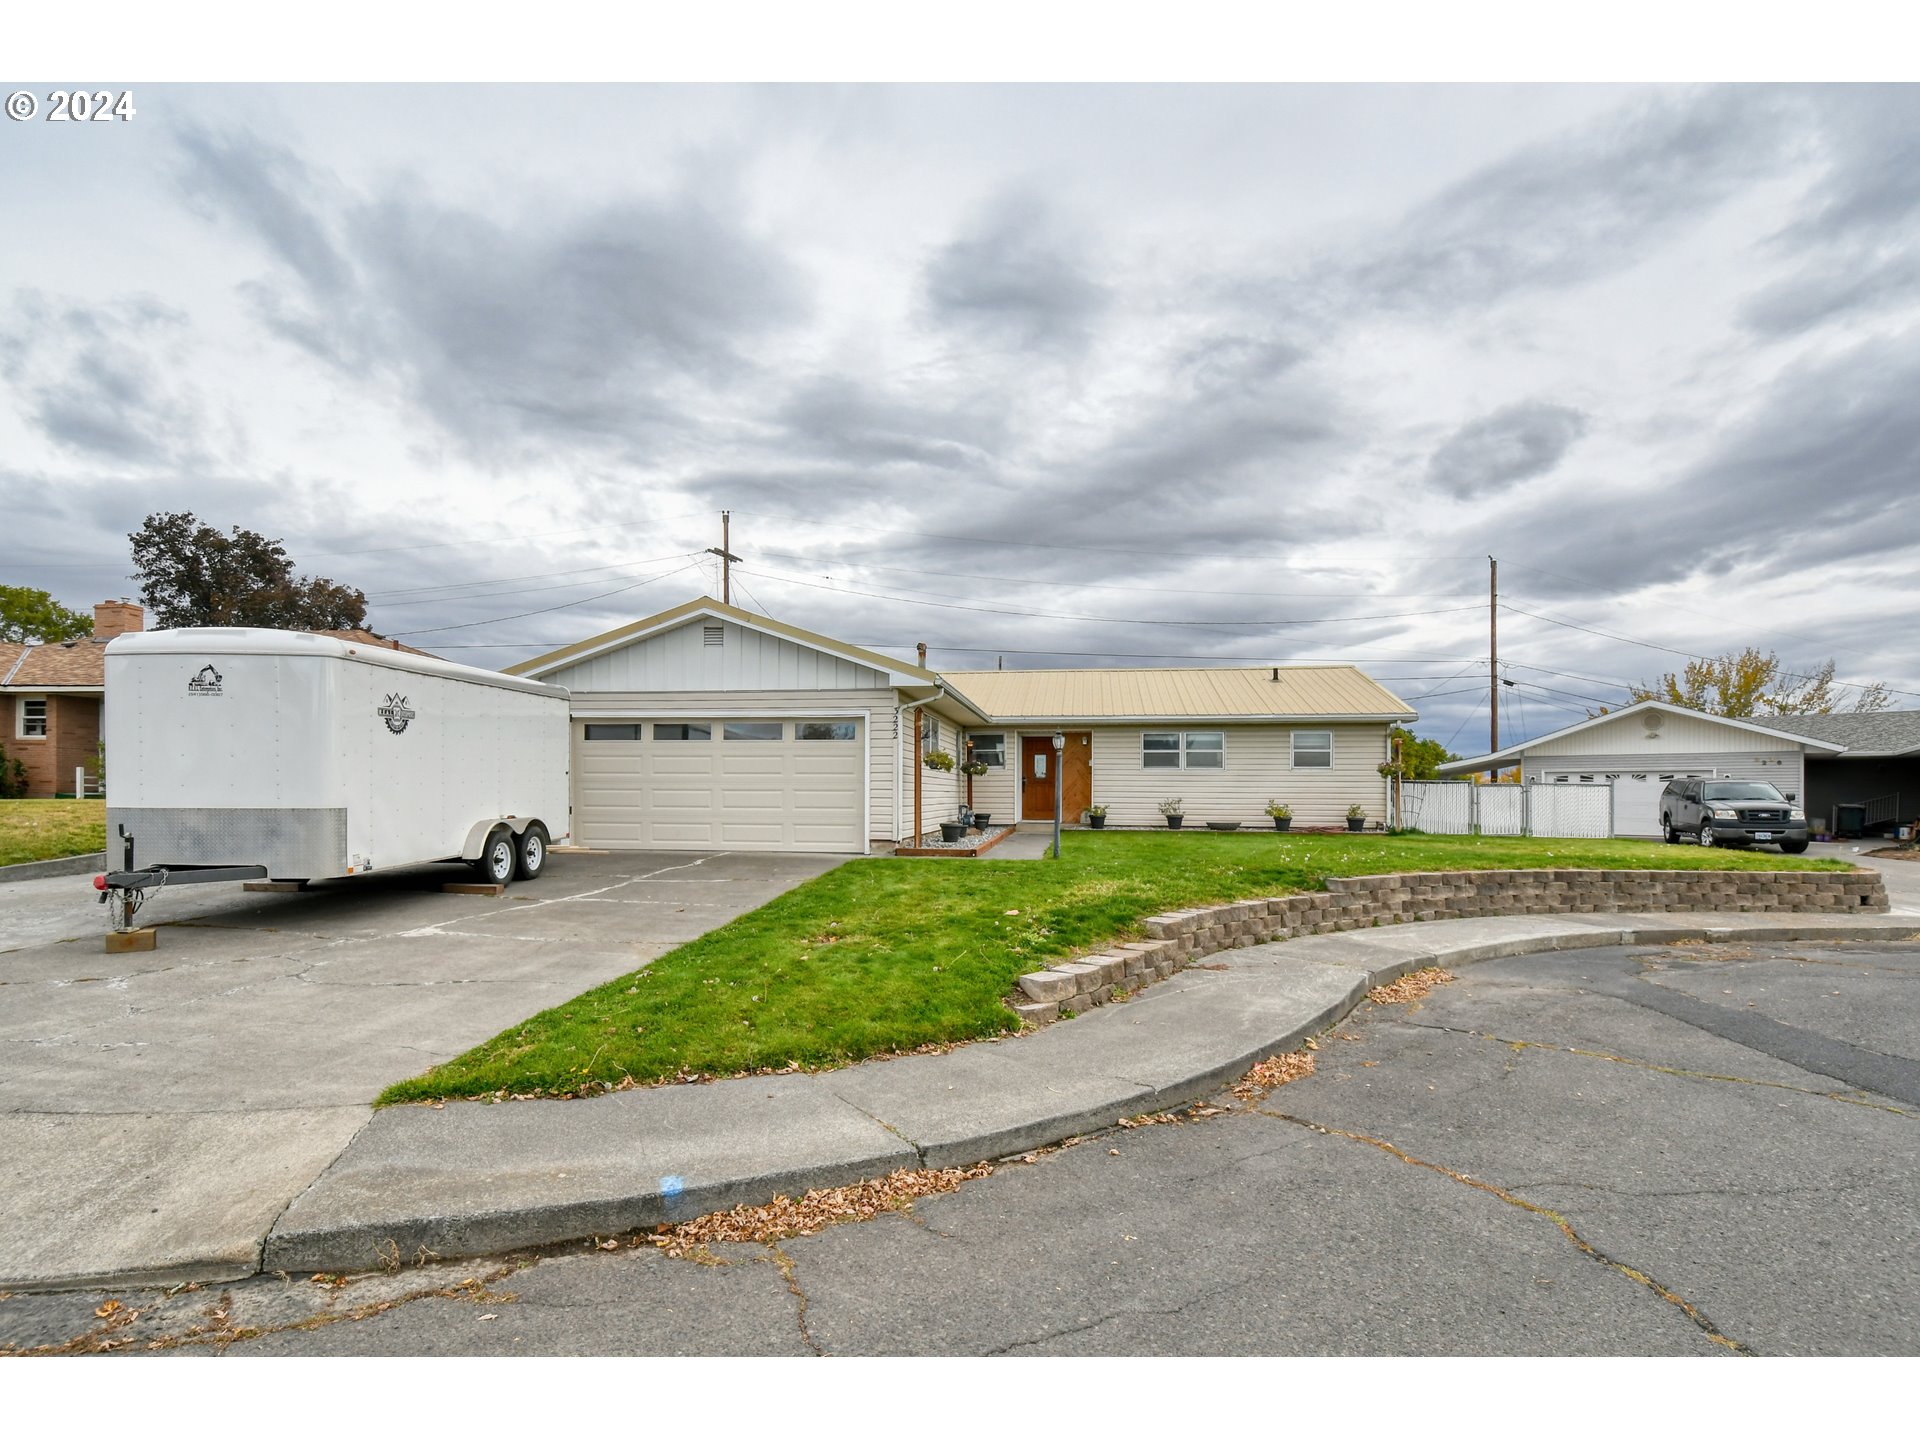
<point x="158" y="1111"/>
<point x="1625" y="1150"/>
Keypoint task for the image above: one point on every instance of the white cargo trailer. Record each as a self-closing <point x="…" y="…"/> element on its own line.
<point x="246" y="753"/>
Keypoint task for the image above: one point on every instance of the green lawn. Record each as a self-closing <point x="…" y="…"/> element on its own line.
<point x="885" y="955"/>
<point x="48" y="829"/>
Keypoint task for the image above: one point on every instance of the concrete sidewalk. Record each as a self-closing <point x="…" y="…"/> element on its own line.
<point x="474" y="1178"/>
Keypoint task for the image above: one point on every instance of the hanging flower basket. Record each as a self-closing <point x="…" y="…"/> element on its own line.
<point x="938" y="760"/>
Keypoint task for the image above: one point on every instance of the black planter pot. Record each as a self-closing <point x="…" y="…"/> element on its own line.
<point x="980" y="822"/>
<point x="1098" y="822"/>
<point x="1283" y="822"/>
<point x="1354" y="827"/>
<point x="951" y="830"/>
<point x="1173" y="821"/>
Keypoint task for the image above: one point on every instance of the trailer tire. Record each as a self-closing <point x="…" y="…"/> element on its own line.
<point x="498" y="857"/>
<point x="530" y="854"/>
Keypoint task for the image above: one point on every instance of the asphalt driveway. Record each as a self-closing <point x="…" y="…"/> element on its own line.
<point x="150" y="1101"/>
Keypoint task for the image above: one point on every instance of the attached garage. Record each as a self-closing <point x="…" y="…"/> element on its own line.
<point x="712" y="783"/>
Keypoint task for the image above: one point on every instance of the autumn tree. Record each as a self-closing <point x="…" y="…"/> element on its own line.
<point x="1420" y="759"/>
<point x="1749" y="683"/>
<point x="191" y="574"/>
<point x="28" y="614"/>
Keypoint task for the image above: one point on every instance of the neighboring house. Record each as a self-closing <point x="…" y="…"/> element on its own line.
<point x="710" y="727"/>
<point x="51" y="696"/>
<point x="1641" y="748"/>
<point x="1879" y="770"/>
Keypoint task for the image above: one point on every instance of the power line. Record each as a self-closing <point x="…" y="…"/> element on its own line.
<point x="585" y="600"/>
<point x="379" y="595"/>
<point x="907" y="598"/>
<point x="526" y="590"/>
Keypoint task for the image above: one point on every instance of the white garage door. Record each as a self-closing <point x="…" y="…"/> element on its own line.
<point x="773" y="784"/>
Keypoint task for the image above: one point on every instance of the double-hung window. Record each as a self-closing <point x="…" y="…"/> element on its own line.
<point x="1206" y="749"/>
<point x="1313" y="749"/>
<point x="33" y="719"/>
<point x="1160" y="750"/>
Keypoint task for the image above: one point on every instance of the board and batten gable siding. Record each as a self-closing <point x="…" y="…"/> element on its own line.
<point x="681" y="660"/>
<point x="876" y="706"/>
<point x="1782" y="769"/>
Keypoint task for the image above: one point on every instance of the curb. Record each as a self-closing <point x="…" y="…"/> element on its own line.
<point x="92" y="864"/>
<point x="1275" y="1021"/>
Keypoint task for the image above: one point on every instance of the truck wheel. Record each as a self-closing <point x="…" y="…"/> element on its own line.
<point x="1673" y="835"/>
<point x="1793" y="847"/>
<point x="497" y="857"/>
<point x="530" y="855"/>
<point x="1705" y="837"/>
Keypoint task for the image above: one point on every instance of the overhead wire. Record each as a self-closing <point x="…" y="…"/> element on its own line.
<point x="524" y="614"/>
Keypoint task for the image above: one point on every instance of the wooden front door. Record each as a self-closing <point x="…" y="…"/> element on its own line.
<point x="1037" y="760"/>
<point x="1036" y="777"/>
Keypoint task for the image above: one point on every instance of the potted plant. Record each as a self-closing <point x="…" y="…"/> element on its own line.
<point x="1175" y="811"/>
<point x="975" y="768"/>
<point x="952" y="830"/>
<point x="1282" y="815"/>
<point x="981" y="820"/>
<point x="938" y="760"/>
<point x="1356" y="819"/>
<point x="1097" y="816"/>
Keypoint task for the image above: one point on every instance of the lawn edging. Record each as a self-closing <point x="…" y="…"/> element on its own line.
<point x="1352" y="902"/>
<point x="91" y="864"/>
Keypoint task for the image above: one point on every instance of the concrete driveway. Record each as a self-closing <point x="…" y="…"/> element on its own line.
<point x="158" y="1111"/>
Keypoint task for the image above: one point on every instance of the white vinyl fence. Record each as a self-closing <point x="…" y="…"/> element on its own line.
<point x="1441" y="807"/>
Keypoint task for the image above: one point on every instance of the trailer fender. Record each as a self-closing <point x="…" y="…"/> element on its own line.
<point x="477" y="836"/>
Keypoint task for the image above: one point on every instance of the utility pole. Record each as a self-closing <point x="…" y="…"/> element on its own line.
<point x="1493" y="658"/>
<point x="727" y="557"/>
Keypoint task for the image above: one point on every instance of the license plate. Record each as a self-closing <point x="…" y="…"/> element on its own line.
<point x="1763" y="834"/>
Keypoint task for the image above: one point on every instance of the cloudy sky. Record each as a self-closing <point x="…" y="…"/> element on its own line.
<point x="1069" y="375"/>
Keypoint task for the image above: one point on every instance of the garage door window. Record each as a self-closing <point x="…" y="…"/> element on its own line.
<point x="614" y="732"/>
<point x="824" y="730"/>
<point x="753" y="730"/>
<point x="682" y="732"/>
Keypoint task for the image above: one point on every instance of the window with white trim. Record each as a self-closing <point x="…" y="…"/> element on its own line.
<point x="824" y="730"/>
<point x="1183" y="749"/>
<point x="33" y="719"/>
<point x="678" y="730"/>
<point x="754" y="730"/>
<point x="1313" y="749"/>
<point x="929" y="734"/>
<point x="613" y="732"/>
<point x="991" y="750"/>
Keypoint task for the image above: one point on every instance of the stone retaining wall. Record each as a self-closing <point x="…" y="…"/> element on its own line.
<point x="1355" y="902"/>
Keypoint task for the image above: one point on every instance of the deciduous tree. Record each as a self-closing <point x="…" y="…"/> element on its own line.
<point x="1748" y="683"/>
<point x="191" y="574"/>
<point x="28" y="614"/>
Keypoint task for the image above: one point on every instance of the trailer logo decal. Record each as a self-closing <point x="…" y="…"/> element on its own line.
<point x="205" y="682"/>
<point x="395" y="713"/>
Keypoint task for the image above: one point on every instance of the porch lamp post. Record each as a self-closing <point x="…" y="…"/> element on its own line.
<point x="1059" y="747"/>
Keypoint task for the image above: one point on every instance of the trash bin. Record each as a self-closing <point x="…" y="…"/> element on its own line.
<point x="1849" y="821"/>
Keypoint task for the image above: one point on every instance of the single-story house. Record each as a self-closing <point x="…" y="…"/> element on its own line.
<point x="51" y="695"/>
<point x="1879" y="770"/>
<point x="1641" y="748"/>
<point x="711" y="727"/>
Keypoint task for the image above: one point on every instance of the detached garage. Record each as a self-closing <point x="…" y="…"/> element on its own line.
<point x="1640" y="749"/>
<point x="708" y="727"/>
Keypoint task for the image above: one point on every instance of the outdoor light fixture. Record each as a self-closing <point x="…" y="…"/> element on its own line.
<point x="1059" y="744"/>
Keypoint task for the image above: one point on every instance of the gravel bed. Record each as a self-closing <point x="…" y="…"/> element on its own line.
<point x="969" y="841"/>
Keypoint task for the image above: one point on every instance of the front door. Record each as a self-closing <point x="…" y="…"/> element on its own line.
<point x="1036" y="777"/>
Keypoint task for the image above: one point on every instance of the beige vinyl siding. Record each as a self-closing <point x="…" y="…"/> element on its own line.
<point x="1782" y="769"/>
<point x="1258" y="768"/>
<point x="876" y="707"/>
<point x="1677" y="734"/>
<point x="941" y="791"/>
<point x="746" y="660"/>
<point x="993" y="791"/>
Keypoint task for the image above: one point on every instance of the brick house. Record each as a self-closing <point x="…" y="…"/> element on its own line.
<point x="51" y="696"/>
<point x="50" y="699"/>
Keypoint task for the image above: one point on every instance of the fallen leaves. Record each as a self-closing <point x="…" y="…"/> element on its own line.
<point x="1270" y="1075"/>
<point x="1410" y="989"/>
<point x="783" y="1218"/>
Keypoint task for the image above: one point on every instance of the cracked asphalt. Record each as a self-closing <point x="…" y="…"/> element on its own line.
<point x="1647" y="1150"/>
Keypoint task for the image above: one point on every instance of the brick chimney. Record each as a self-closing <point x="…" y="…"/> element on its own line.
<point x="117" y="617"/>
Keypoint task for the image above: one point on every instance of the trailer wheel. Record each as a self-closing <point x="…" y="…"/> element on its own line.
<point x="497" y="857"/>
<point x="530" y="855"/>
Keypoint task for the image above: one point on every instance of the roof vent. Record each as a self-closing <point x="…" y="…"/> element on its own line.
<point x="1276" y="674"/>
<point x="714" y="634"/>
